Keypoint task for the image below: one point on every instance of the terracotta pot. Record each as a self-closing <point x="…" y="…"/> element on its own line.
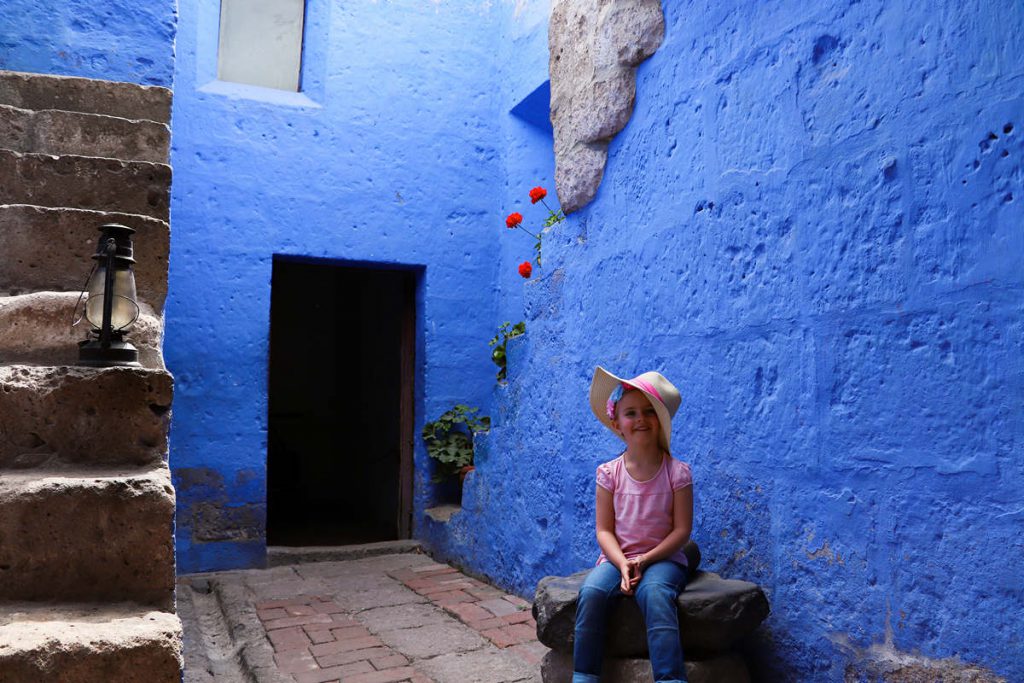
<point x="464" y="471"/>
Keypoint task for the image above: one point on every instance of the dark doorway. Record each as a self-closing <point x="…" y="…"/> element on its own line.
<point x="339" y="453"/>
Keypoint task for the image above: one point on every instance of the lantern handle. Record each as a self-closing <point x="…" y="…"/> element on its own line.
<point x="81" y="293"/>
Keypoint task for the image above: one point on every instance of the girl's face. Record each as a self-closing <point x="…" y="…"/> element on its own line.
<point x="636" y="419"/>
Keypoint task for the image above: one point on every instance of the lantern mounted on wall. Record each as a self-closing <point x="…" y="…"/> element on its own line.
<point x="111" y="306"/>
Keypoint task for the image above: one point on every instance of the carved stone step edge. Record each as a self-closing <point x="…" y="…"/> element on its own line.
<point x="50" y="249"/>
<point x="72" y="93"/>
<point x="52" y="131"/>
<point x="141" y="187"/>
<point x="90" y="416"/>
<point x="89" y="643"/>
<point x="35" y="329"/>
<point x="87" y="535"/>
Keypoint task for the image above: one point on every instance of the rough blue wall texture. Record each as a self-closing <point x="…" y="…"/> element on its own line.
<point x="117" y="40"/>
<point x="387" y="157"/>
<point x="813" y="225"/>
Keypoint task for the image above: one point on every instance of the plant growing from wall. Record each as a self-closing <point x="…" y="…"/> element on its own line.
<point x="449" y="439"/>
<point x="500" y="342"/>
<point x="515" y="220"/>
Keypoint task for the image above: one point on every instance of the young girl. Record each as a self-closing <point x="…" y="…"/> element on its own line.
<point x="644" y="518"/>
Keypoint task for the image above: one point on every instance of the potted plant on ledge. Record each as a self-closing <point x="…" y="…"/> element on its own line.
<point x="449" y="440"/>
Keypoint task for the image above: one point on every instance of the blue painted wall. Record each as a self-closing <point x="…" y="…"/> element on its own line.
<point x="388" y="156"/>
<point x="117" y="40"/>
<point x="813" y="225"/>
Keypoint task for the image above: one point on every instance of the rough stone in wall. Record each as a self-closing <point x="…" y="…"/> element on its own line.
<point x="595" y="46"/>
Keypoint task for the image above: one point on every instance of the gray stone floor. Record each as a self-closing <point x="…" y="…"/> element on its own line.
<point x="386" y="618"/>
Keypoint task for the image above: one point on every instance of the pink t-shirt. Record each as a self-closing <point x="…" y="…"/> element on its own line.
<point x="643" y="509"/>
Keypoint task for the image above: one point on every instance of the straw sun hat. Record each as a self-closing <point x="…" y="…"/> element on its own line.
<point x="658" y="390"/>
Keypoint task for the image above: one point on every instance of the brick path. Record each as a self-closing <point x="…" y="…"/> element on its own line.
<point x="387" y="619"/>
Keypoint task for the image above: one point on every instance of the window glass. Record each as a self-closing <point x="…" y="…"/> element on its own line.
<point x="261" y="42"/>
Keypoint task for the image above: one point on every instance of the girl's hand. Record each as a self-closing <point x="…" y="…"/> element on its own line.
<point x="628" y="582"/>
<point x="636" y="569"/>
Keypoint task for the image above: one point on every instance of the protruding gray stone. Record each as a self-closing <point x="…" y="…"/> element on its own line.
<point x="36" y="328"/>
<point x="82" y="644"/>
<point x="140" y="187"/>
<point x="730" y="668"/>
<point x="92" y="416"/>
<point x="91" y="135"/>
<point x="127" y="100"/>
<point x="714" y="613"/>
<point x="595" y="46"/>
<point x="83" y="535"/>
<point x="50" y="249"/>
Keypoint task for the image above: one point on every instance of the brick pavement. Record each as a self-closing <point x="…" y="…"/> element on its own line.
<point x="389" y="619"/>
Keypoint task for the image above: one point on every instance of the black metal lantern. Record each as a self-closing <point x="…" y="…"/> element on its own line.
<point x="111" y="307"/>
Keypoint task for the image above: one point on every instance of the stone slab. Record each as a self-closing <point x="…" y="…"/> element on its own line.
<point x="431" y="640"/>
<point x="92" y="416"/>
<point x="714" y="613"/>
<point x="87" y="536"/>
<point x="126" y="100"/>
<point x="50" y="249"/>
<point x="36" y="328"/>
<point x="594" y="47"/>
<point x="89" y="644"/>
<point x="81" y="182"/>
<point x="277" y="556"/>
<point x="92" y="135"/>
<point x="486" y="665"/>
<point x="729" y="668"/>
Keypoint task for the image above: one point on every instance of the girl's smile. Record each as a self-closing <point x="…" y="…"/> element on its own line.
<point x="635" y="417"/>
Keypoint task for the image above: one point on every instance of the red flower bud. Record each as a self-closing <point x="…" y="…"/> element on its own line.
<point x="537" y="194"/>
<point x="525" y="269"/>
<point x="514" y="219"/>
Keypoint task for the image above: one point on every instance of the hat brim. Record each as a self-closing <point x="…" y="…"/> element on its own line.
<point x="601" y="388"/>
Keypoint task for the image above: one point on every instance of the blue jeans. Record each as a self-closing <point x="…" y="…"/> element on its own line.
<point x="656" y="595"/>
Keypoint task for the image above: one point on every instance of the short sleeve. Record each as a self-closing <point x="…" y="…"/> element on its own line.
<point x="679" y="475"/>
<point x="604" y="477"/>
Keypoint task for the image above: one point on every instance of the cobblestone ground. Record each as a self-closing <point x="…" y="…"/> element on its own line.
<point x="384" y="619"/>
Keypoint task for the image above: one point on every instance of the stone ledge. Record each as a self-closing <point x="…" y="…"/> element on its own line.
<point x="87" y="95"/>
<point x="278" y="555"/>
<point x="714" y="614"/>
<point x="82" y="182"/>
<point x="87" y="535"/>
<point x="89" y="644"/>
<point x="442" y="513"/>
<point x="36" y="329"/>
<point x="92" y="416"/>
<point x="92" y="135"/>
<point x="50" y="249"/>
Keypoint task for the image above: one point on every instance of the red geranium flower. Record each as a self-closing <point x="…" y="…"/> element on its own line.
<point x="537" y="194"/>
<point x="525" y="269"/>
<point x="514" y="219"/>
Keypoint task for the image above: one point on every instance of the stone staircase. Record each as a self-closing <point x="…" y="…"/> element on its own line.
<point x="86" y="502"/>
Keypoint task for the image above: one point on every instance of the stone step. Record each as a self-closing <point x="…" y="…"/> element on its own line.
<point x="88" y="644"/>
<point x="50" y="249"/>
<point x="87" y="535"/>
<point x="36" y="329"/>
<point x="52" y="131"/>
<point x="91" y="416"/>
<point x="85" y="183"/>
<point x="126" y="100"/>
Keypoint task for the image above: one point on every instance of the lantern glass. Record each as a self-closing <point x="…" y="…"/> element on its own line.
<point x="124" y="311"/>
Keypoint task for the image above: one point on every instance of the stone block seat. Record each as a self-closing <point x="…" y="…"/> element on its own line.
<point x="715" y="614"/>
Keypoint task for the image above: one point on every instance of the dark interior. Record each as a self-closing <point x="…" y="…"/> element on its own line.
<point x="333" y="455"/>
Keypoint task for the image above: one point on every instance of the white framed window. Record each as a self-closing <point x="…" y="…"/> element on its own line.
<point x="261" y="42"/>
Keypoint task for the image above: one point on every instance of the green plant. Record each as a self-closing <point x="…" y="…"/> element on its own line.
<point x="515" y="220"/>
<point x="499" y="354"/>
<point x="449" y="439"/>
